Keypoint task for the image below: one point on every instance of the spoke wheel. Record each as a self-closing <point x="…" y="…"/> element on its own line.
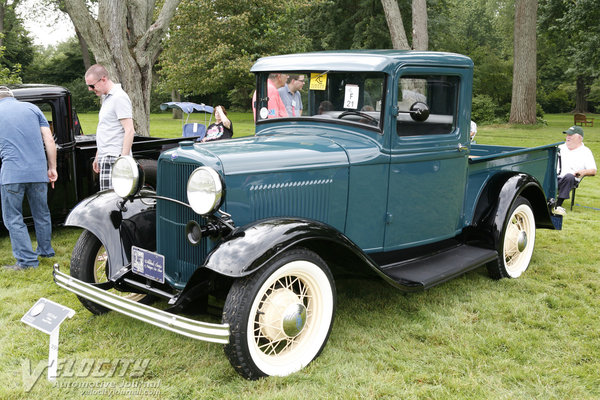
<point x="280" y="317"/>
<point x="89" y="263"/>
<point x="517" y="242"/>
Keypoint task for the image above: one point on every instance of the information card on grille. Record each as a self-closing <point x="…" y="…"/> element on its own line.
<point x="148" y="264"/>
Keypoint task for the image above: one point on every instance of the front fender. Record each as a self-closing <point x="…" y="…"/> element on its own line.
<point x="250" y="247"/>
<point x="117" y="229"/>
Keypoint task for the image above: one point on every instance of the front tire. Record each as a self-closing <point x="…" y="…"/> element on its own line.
<point x="516" y="242"/>
<point x="89" y="263"/>
<point x="280" y="317"/>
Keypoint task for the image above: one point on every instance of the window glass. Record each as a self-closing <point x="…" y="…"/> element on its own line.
<point x="439" y="93"/>
<point x="355" y="97"/>
<point x="48" y="113"/>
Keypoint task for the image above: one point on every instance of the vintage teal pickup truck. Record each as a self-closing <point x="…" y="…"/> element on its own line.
<point x="377" y="175"/>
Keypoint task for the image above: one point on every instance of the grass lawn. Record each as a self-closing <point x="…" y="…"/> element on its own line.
<point x="472" y="338"/>
<point x="163" y="125"/>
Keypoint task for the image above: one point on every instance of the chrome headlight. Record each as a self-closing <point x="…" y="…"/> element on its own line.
<point x="125" y="176"/>
<point x="205" y="190"/>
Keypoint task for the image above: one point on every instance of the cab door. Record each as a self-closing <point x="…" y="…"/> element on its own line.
<point x="428" y="166"/>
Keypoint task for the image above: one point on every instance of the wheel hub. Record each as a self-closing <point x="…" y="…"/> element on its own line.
<point x="294" y="319"/>
<point x="282" y="315"/>
<point x="522" y="241"/>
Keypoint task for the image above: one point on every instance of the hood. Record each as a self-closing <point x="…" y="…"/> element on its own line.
<point x="281" y="153"/>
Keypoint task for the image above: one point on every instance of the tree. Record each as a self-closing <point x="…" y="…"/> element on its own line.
<point x="574" y="30"/>
<point x="126" y="37"/>
<point x="419" y="24"/>
<point x="18" y="49"/>
<point x="394" y="22"/>
<point x="213" y="43"/>
<point x="523" y="104"/>
<point x="348" y="24"/>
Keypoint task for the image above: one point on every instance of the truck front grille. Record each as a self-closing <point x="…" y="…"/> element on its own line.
<point x="181" y="258"/>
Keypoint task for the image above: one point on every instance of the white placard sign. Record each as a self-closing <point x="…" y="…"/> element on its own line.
<point x="47" y="316"/>
<point x="351" y="96"/>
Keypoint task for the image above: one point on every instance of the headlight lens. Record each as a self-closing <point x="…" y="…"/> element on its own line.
<point x="205" y="190"/>
<point x="125" y="176"/>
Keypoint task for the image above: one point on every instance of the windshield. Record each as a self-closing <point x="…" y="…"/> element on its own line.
<point x="355" y="97"/>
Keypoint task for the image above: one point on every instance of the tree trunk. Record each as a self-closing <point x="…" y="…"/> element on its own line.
<point x="85" y="51"/>
<point x="176" y="96"/>
<point x="126" y="42"/>
<point x="581" y="93"/>
<point x="523" y="105"/>
<point x="420" y="37"/>
<point x="395" y="25"/>
<point x="2" y="14"/>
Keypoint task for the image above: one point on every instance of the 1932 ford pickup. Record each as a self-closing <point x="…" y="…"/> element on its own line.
<point x="377" y="174"/>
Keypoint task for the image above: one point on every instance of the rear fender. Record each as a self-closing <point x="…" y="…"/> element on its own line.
<point x="495" y="203"/>
<point x="118" y="228"/>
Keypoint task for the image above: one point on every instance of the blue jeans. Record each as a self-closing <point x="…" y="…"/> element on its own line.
<point x="12" y="214"/>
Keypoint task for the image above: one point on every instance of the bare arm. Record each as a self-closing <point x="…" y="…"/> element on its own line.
<point x="127" y="124"/>
<point x="50" y="153"/>
<point x="586" y="172"/>
<point x="226" y="122"/>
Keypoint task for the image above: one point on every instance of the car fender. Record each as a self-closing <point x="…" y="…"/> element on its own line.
<point x="248" y="248"/>
<point x="118" y="228"/>
<point x="496" y="200"/>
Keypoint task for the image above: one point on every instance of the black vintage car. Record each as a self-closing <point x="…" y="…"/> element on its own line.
<point x="76" y="151"/>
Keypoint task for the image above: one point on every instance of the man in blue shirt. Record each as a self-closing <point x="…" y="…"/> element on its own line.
<point x="290" y="95"/>
<point x="25" y="173"/>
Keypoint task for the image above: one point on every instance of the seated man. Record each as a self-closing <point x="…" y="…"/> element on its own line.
<point x="576" y="161"/>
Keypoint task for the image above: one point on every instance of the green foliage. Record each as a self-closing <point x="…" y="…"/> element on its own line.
<point x="212" y="44"/>
<point x="63" y="65"/>
<point x="484" y="109"/>
<point x="8" y="76"/>
<point x="557" y="101"/>
<point x="18" y="48"/>
<point x="350" y="24"/>
<point x="482" y="30"/>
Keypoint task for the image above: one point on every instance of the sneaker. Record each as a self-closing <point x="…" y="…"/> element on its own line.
<point x="16" y="267"/>
<point x="559" y="211"/>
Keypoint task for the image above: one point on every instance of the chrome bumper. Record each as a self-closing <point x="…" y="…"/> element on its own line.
<point x="216" y="333"/>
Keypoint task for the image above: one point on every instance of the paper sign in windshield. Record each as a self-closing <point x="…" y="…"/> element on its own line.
<point x="351" y="97"/>
<point x="318" y="81"/>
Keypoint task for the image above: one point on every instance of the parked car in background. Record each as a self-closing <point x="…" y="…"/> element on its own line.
<point x="76" y="151"/>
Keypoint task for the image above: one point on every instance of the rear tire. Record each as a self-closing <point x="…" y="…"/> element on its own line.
<point x="281" y="316"/>
<point x="89" y="263"/>
<point x="516" y="242"/>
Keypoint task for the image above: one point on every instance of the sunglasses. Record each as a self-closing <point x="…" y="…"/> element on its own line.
<point x="93" y="86"/>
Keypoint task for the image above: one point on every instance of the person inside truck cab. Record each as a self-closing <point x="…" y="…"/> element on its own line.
<point x="576" y="161"/>
<point x="275" y="106"/>
<point x="114" y="134"/>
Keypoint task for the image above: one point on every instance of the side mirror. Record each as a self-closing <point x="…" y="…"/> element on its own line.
<point x="419" y="111"/>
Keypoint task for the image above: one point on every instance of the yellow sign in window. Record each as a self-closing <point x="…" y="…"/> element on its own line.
<point x="318" y="81"/>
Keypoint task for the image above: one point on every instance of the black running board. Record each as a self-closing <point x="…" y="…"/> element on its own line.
<point x="425" y="272"/>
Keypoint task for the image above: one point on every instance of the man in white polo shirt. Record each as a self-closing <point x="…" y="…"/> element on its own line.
<point x="576" y="161"/>
<point x="114" y="134"/>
